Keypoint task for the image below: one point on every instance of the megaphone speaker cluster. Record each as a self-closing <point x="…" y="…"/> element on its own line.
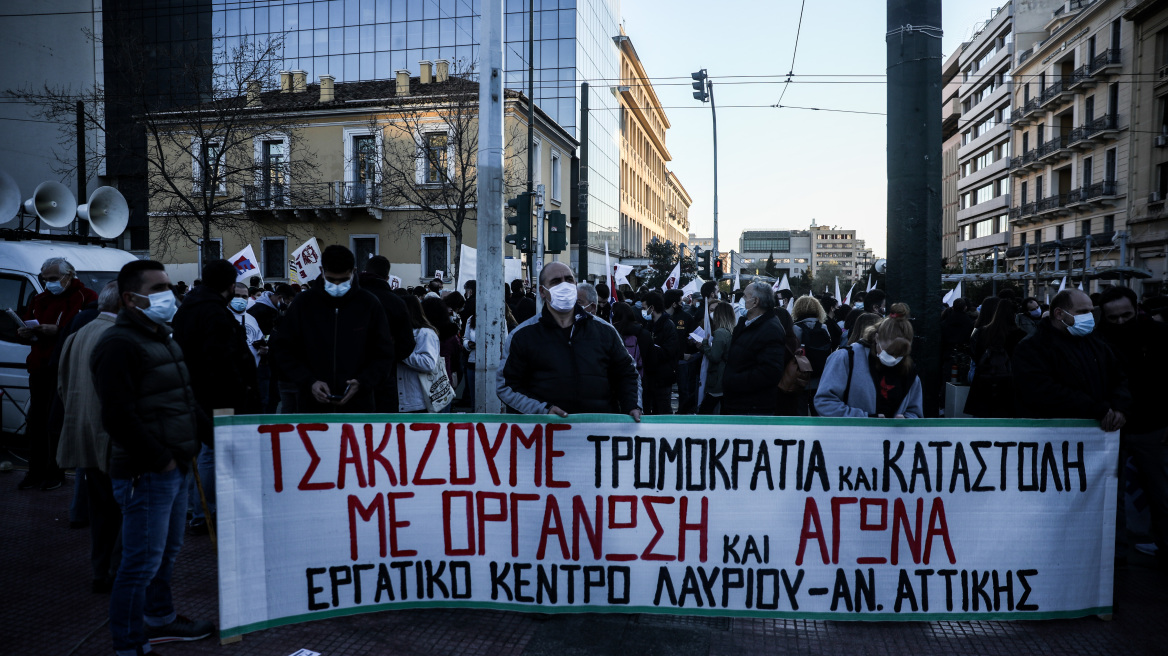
<point x="9" y="198"/>
<point x="53" y="204"/>
<point x="107" y="212"/>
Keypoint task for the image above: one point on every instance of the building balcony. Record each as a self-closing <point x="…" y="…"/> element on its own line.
<point x="1093" y="196"/>
<point x="1055" y="205"/>
<point x="1104" y="128"/>
<point x="1024" y="115"/>
<point x="1107" y="62"/>
<point x="1056" y="149"/>
<point x="1161" y="76"/>
<point x="1024" y="214"/>
<point x="1080" y="78"/>
<point x="1055" y="95"/>
<point x="324" y="201"/>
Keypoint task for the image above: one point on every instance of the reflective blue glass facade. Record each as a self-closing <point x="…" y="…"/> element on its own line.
<point x="356" y="40"/>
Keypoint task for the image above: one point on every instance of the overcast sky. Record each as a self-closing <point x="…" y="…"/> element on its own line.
<point x="779" y="168"/>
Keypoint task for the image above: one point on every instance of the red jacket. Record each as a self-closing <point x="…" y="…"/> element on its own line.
<point x="49" y="308"/>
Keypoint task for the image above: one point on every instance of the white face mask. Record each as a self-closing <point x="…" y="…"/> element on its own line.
<point x="163" y="305"/>
<point x="888" y="360"/>
<point x="563" y="297"/>
<point x="337" y="290"/>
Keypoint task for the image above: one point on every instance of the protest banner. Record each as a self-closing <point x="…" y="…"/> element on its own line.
<point x="306" y="261"/>
<point x="245" y="264"/>
<point x="843" y="519"/>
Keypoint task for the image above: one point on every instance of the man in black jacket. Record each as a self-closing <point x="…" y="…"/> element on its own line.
<point x="375" y="280"/>
<point x="566" y="361"/>
<point x="334" y="343"/>
<point x="661" y="362"/>
<point x="1142" y="348"/>
<point x="268" y="310"/>
<point x="149" y="410"/>
<point x="1064" y="371"/>
<point x="755" y="362"/>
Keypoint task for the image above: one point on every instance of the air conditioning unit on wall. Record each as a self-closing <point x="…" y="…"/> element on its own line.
<point x="1154" y="197"/>
<point x="1162" y="141"/>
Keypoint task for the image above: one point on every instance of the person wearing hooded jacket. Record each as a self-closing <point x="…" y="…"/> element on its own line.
<point x="334" y="342"/>
<point x="375" y="280"/>
<point x="874" y="377"/>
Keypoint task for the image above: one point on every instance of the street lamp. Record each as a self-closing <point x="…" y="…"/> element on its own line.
<point x="704" y="91"/>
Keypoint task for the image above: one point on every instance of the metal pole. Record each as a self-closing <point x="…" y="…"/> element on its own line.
<point x="995" y="283"/>
<point x="913" y="46"/>
<point x="582" y="231"/>
<point x="489" y="319"/>
<point x="537" y="248"/>
<point x="531" y="163"/>
<point x="714" y="116"/>
<point x="1086" y="262"/>
<point x="964" y="261"/>
<point x="80" y="152"/>
<point x="1026" y="282"/>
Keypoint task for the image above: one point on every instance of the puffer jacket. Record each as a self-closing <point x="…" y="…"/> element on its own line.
<point x="147" y="404"/>
<point x="585" y="368"/>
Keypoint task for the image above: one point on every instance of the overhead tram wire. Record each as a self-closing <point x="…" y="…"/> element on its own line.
<point x="794" y="52"/>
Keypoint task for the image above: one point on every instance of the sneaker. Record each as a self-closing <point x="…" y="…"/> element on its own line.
<point x="29" y="481"/>
<point x="53" y="483"/>
<point x="198" y="526"/>
<point x="181" y="629"/>
<point x="5" y="465"/>
<point x="1148" y="548"/>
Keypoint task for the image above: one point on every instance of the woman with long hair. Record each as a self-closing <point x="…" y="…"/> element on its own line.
<point x="991" y="392"/>
<point x="874" y="377"/>
<point x="789" y="402"/>
<point x="449" y="343"/>
<point x="714" y="349"/>
<point x="426" y="354"/>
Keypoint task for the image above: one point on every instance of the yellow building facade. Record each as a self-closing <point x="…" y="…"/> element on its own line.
<point x="389" y="160"/>
<point x="653" y="202"/>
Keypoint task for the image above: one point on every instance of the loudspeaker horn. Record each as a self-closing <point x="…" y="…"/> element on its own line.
<point x="9" y="197"/>
<point x="881" y="266"/>
<point x="107" y="212"/>
<point x="53" y="203"/>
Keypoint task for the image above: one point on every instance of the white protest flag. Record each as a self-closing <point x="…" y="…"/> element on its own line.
<point x="512" y="270"/>
<point x="871" y="284"/>
<point x="1062" y="285"/>
<point x="781" y="284"/>
<point x="673" y="279"/>
<point x="1047" y="303"/>
<point x="952" y="295"/>
<point x="467" y="266"/>
<point x="838" y="299"/>
<point x="306" y="261"/>
<point x="245" y="264"/>
<point x="621" y="273"/>
<point x="1080" y="285"/>
<point x="737" y="281"/>
<point x="848" y="296"/>
<point x="693" y="287"/>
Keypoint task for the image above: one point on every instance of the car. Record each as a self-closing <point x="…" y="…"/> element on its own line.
<point x="20" y="267"/>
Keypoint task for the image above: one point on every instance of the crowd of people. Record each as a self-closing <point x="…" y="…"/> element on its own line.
<point x="124" y="379"/>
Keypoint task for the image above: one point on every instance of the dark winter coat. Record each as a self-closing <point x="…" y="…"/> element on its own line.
<point x="214" y="344"/>
<point x="334" y="340"/>
<point x="584" y="368"/>
<point x="147" y="404"/>
<point x="1142" y="349"/>
<point x="661" y="360"/>
<point x="1059" y="376"/>
<point x="754" y="366"/>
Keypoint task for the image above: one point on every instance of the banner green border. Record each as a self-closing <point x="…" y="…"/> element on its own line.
<point x="247" y="420"/>
<point x="842" y="616"/>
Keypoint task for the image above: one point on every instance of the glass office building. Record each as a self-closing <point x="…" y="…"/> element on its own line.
<point x="355" y="40"/>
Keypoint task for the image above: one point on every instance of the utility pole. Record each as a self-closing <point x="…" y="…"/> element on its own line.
<point x="913" y="42"/>
<point x="704" y="91"/>
<point x="537" y="247"/>
<point x="489" y="321"/>
<point x="582" y="190"/>
<point x="531" y="162"/>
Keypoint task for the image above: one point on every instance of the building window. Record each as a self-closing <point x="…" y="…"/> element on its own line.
<point x="1109" y="224"/>
<point x="207" y="167"/>
<point x="435" y="255"/>
<point x="1058" y="233"/>
<point x="1109" y="166"/>
<point x="363" y="247"/>
<point x="274" y="258"/>
<point x="1085" y="227"/>
<point x="556" y="176"/>
<point x="437" y="158"/>
<point x="216" y="247"/>
<point x="537" y="168"/>
<point x="1003" y="223"/>
<point x="273" y="178"/>
<point x="1088" y="165"/>
<point x="361" y="158"/>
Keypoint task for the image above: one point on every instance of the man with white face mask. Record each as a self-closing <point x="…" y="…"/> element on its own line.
<point x="566" y="361"/>
<point x="1064" y="371"/>
<point x="155" y="426"/>
<point x="334" y="342"/>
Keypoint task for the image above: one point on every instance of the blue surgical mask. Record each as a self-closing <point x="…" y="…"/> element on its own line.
<point x="1036" y="313"/>
<point x="238" y="305"/>
<point x="55" y="287"/>
<point x="1084" y="324"/>
<point x="647" y="315"/>
<point x="338" y="290"/>
<point x="163" y="305"/>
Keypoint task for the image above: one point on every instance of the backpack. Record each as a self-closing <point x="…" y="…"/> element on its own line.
<point x="634" y="350"/>
<point x="797" y="373"/>
<point x="816" y="342"/>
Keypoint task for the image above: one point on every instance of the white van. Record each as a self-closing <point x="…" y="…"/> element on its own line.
<point x="20" y="268"/>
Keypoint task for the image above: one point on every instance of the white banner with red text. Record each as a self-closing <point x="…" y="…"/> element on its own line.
<point x="843" y="519"/>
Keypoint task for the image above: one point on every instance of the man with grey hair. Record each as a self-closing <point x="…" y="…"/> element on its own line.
<point x="52" y="309"/>
<point x="586" y="297"/>
<point x="84" y="441"/>
<point x="757" y="357"/>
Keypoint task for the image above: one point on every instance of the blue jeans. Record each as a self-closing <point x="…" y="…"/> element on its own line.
<point x="206" y="464"/>
<point x="154" y="510"/>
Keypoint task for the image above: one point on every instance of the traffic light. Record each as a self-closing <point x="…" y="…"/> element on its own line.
<point x="557" y="235"/>
<point x="699" y="85"/>
<point x="703" y="258"/>
<point x="521" y="239"/>
<point x="718" y="269"/>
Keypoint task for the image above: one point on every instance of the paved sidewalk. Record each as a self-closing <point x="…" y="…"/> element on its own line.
<point x="49" y="611"/>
